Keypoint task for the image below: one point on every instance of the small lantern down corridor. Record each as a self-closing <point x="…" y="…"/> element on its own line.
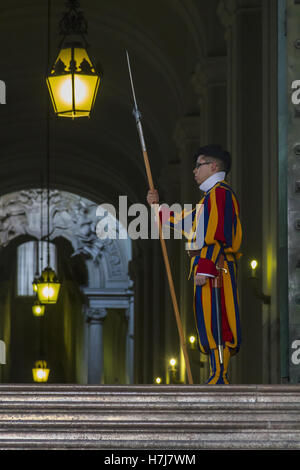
<point x="38" y="309"/>
<point x="40" y="372"/>
<point x="48" y="287"/>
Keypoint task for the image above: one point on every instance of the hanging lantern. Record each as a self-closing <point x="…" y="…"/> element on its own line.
<point x="73" y="80"/>
<point x="48" y="287"/>
<point x="36" y="276"/>
<point x="38" y="309"/>
<point x="34" y="284"/>
<point x="40" y="372"/>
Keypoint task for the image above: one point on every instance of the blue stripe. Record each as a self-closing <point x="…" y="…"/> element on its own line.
<point x="206" y="215"/>
<point x="228" y="219"/>
<point x="210" y="251"/>
<point x="214" y="325"/>
<point x="236" y="305"/>
<point x="234" y="224"/>
<point x="200" y="320"/>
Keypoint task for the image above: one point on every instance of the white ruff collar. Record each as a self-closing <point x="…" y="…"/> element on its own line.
<point x="212" y="180"/>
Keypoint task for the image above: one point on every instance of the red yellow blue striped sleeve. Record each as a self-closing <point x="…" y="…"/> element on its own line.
<point x="181" y="221"/>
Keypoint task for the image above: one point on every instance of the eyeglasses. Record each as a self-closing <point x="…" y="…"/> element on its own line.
<point x="204" y="163"/>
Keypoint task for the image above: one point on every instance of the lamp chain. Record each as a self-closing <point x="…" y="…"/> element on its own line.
<point x="73" y="21"/>
<point x="48" y="140"/>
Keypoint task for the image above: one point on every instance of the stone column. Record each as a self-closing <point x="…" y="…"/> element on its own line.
<point x="209" y="82"/>
<point x="242" y="20"/>
<point x="136" y="272"/>
<point x="290" y="170"/>
<point x="187" y="138"/>
<point x="270" y="197"/>
<point x="95" y="318"/>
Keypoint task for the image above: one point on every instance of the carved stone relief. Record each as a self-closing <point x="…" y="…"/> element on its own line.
<point x="70" y="216"/>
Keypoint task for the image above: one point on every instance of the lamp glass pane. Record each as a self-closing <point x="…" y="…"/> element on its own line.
<point x="40" y="372"/>
<point x="61" y="92"/>
<point x="38" y="310"/>
<point x="48" y="292"/>
<point x="85" y="89"/>
<point x="67" y="101"/>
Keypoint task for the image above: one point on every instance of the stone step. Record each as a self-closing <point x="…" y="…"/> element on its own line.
<point x="149" y="417"/>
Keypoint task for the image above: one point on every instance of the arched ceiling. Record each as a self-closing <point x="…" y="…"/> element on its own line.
<point x="100" y="157"/>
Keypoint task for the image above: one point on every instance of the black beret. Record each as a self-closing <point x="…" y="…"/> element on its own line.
<point x="217" y="152"/>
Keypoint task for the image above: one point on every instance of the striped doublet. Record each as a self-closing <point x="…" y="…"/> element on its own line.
<point x="221" y="232"/>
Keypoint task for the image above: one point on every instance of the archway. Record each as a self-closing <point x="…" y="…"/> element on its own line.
<point x="79" y="332"/>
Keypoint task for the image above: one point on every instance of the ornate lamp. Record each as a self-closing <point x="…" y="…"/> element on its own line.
<point x="48" y="286"/>
<point x="38" y="309"/>
<point x="73" y="79"/>
<point x="40" y="372"/>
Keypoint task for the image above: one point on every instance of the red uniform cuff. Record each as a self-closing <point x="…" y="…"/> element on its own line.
<point x="206" y="266"/>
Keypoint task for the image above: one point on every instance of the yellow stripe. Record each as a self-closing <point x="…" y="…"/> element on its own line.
<point x="204" y="252"/>
<point x="206" y="306"/>
<point x="236" y="240"/>
<point x="213" y="220"/>
<point x="236" y="207"/>
<point x="194" y="309"/>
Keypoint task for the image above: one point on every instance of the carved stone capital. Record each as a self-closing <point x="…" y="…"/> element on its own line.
<point x="187" y="131"/>
<point x="211" y="71"/>
<point x="226" y="12"/>
<point x="95" y="315"/>
<point x="228" y="9"/>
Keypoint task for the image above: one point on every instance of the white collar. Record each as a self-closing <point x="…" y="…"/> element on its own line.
<point x="212" y="180"/>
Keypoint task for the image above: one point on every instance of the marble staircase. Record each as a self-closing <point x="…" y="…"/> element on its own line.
<point x="150" y="417"/>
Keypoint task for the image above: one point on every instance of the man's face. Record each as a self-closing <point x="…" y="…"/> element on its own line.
<point x="203" y="171"/>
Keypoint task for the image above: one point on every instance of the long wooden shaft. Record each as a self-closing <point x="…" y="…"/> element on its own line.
<point x="169" y="275"/>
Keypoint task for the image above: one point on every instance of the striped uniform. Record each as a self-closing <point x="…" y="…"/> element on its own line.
<point x="222" y="234"/>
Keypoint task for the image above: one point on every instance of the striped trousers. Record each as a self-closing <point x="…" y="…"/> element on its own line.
<point x="205" y="312"/>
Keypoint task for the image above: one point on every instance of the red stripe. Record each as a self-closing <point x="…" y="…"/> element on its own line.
<point x="220" y="201"/>
<point x="226" y="332"/>
<point x="208" y="205"/>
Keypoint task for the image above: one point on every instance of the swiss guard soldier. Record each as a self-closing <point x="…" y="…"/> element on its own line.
<point x="213" y="264"/>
